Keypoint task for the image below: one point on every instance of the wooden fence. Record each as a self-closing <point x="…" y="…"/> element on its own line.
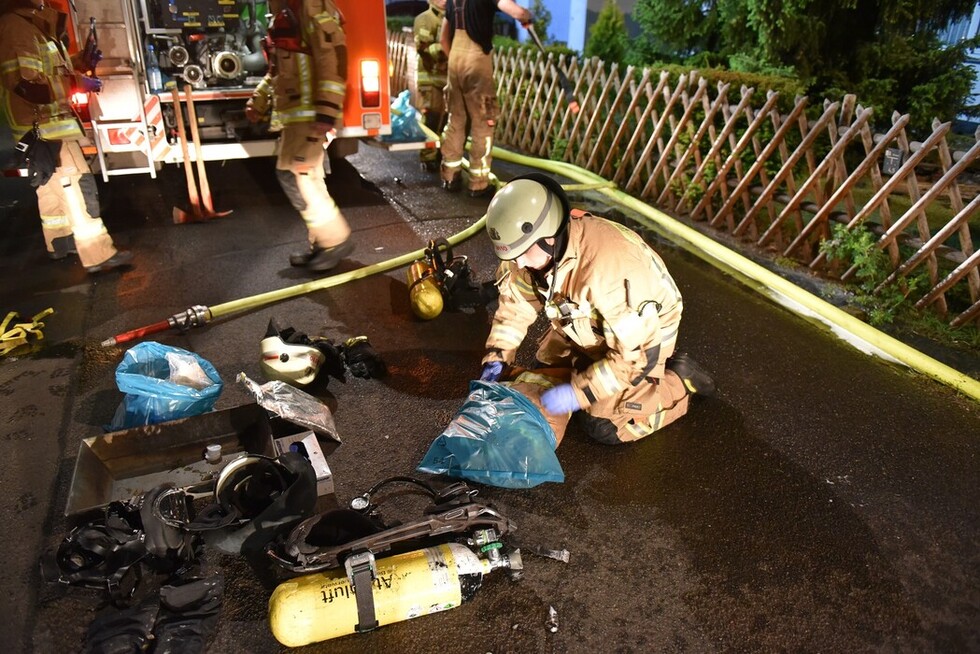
<point x="770" y="172"/>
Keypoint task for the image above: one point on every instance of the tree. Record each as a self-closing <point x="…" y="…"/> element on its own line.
<point x="607" y="38"/>
<point x="542" y="19"/>
<point x="887" y="51"/>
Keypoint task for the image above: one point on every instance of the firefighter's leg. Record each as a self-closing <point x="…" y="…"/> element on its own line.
<point x="554" y="350"/>
<point x="432" y="112"/>
<point x="454" y="135"/>
<point x="481" y="106"/>
<point x="532" y="383"/>
<point x="637" y="412"/>
<point x="299" y="169"/>
<point x="69" y="206"/>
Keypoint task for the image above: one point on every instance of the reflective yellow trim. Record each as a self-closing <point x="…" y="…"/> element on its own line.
<point x="523" y="286"/>
<point x="59" y="130"/>
<point x="452" y="164"/>
<point x="54" y="222"/>
<point x="30" y="63"/>
<point x="507" y="335"/>
<point x="325" y="18"/>
<point x="606" y="378"/>
<point x="333" y="87"/>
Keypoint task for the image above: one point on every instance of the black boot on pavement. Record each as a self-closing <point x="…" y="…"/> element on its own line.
<point x="62" y="247"/>
<point x="118" y="260"/>
<point x="300" y="259"/>
<point x="696" y="379"/>
<point x="325" y="259"/>
<point x="486" y="192"/>
<point x="452" y="186"/>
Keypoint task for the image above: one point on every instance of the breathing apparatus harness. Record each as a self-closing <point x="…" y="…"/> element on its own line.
<point x="352" y="538"/>
<point x="161" y="531"/>
<point x="326" y="540"/>
<point x="451" y="274"/>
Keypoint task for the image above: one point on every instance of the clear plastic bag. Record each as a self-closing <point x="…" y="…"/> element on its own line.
<point x="163" y="383"/>
<point x="292" y="404"/>
<point x="499" y="438"/>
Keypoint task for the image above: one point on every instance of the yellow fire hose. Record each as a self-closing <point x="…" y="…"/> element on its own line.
<point x="198" y="315"/>
<point x="809" y="306"/>
<point x="858" y="333"/>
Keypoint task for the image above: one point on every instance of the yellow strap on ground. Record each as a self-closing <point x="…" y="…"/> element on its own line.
<point x="14" y="334"/>
<point x="850" y="329"/>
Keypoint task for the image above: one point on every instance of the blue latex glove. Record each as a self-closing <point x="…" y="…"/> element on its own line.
<point x="491" y="371"/>
<point x="560" y="400"/>
<point x="89" y="84"/>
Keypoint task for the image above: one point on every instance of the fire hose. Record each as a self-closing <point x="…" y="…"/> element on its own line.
<point x="199" y="315"/>
<point x="856" y="332"/>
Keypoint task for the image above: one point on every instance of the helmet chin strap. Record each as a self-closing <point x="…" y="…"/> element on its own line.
<point x="555" y="250"/>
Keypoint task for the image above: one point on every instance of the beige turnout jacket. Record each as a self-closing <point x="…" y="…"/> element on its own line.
<point x="610" y="298"/>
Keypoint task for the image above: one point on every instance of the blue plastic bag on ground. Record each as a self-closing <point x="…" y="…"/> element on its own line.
<point x="163" y="383"/>
<point x="404" y="121"/>
<point x="498" y="438"/>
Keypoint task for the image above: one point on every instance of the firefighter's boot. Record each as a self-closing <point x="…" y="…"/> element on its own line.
<point x="696" y="379"/>
<point x="120" y="259"/>
<point x="325" y="259"/>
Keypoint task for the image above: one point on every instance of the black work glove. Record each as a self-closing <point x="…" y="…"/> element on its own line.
<point x="333" y="360"/>
<point x="362" y="360"/>
<point x="42" y="158"/>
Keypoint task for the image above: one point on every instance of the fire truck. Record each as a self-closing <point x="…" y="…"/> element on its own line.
<point x="211" y="49"/>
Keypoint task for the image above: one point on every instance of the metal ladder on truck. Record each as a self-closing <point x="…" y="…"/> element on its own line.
<point x="122" y="134"/>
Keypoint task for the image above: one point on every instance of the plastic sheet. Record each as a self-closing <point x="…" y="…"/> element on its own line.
<point x="499" y="438"/>
<point x="292" y="404"/>
<point x="163" y="383"/>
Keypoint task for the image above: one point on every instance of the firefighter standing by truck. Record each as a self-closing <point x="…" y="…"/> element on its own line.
<point x="471" y="96"/>
<point x="304" y="91"/>
<point x="38" y="79"/>
<point x="613" y="307"/>
<point x="431" y="74"/>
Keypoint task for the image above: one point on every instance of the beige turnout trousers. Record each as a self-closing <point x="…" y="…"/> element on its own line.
<point x="471" y="99"/>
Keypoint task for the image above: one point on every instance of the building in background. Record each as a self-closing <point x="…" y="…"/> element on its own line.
<point x="968" y="28"/>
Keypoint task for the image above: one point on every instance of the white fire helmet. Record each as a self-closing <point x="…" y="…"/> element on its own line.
<point x="526" y="210"/>
<point x="288" y="362"/>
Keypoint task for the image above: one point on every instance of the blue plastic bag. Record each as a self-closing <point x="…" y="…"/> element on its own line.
<point x="405" y="126"/>
<point x="163" y="383"/>
<point x="498" y="438"/>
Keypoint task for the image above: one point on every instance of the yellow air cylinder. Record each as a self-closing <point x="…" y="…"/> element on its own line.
<point x="423" y="290"/>
<point x="321" y="606"/>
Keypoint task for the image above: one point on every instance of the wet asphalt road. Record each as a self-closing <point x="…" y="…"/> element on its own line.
<point x="821" y="502"/>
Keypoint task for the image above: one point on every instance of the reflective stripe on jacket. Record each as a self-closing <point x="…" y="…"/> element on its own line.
<point x="31" y="53"/>
<point x="610" y="295"/>
<point x="308" y="85"/>
<point x="432" y="61"/>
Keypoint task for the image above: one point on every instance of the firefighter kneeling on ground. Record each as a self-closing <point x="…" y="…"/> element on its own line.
<point x="304" y="91"/>
<point x="613" y="307"/>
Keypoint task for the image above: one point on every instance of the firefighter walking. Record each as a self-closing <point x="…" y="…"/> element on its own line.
<point x="432" y="65"/>
<point x="614" y="311"/>
<point x="471" y="96"/>
<point x="38" y="78"/>
<point x="304" y="92"/>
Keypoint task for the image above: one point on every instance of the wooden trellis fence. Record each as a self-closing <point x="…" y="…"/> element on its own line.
<point x="776" y="176"/>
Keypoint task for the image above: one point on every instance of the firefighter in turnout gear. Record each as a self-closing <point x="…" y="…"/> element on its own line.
<point x="471" y="97"/>
<point x="613" y="307"/>
<point x="304" y="92"/>
<point x="38" y="78"/>
<point x="431" y="74"/>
